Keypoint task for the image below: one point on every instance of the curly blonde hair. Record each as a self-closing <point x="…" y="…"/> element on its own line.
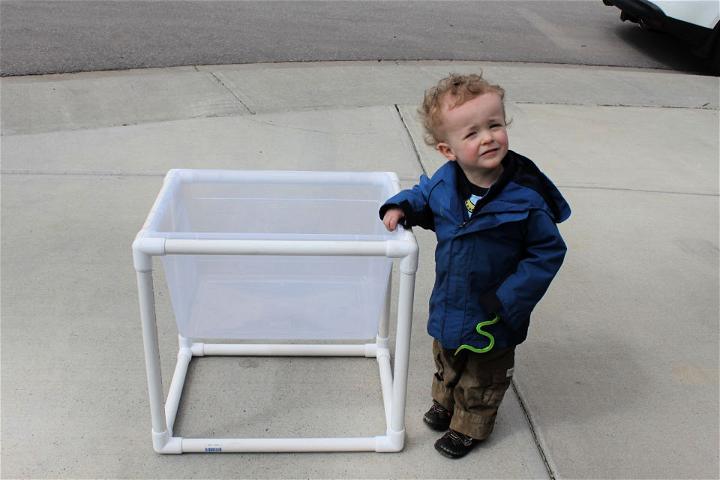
<point x="461" y="88"/>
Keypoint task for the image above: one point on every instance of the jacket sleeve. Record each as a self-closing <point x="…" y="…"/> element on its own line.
<point x="516" y="297"/>
<point x="414" y="204"/>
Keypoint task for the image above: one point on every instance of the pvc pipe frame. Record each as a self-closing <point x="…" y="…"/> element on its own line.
<point x="394" y="388"/>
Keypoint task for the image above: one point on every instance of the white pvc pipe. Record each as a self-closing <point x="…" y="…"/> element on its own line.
<point x="275" y="247"/>
<point x="152" y="352"/>
<point x="402" y="350"/>
<point x="384" y="326"/>
<point x="227" y="445"/>
<point x="176" y="386"/>
<point x="386" y="381"/>
<point x="253" y="350"/>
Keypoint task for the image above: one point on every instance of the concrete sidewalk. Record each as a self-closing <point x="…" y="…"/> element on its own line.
<point x="618" y="378"/>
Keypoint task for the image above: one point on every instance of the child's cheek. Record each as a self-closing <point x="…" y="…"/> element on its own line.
<point x="503" y="138"/>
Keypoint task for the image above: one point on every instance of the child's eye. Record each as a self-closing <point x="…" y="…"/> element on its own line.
<point x="496" y="125"/>
<point x="471" y="134"/>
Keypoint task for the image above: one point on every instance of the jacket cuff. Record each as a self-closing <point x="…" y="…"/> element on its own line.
<point x="491" y="303"/>
<point x="404" y="206"/>
<point x="386" y="207"/>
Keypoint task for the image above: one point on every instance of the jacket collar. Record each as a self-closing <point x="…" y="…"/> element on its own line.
<point x="519" y="172"/>
<point x="461" y="184"/>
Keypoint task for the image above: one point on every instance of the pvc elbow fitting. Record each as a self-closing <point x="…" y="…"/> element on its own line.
<point x="390" y="442"/>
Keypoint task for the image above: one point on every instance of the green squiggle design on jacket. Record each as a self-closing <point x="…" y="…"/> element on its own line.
<point x="479" y="329"/>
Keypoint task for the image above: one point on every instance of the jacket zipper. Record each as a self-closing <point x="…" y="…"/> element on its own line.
<point x="475" y="212"/>
<point x="465" y="222"/>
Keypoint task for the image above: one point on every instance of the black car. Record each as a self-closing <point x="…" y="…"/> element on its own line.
<point x="697" y="22"/>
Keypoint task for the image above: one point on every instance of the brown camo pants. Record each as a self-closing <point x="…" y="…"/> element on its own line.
<point x="472" y="385"/>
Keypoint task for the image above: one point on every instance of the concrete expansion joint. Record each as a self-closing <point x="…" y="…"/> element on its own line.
<point x="302" y="129"/>
<point x="704" y="106"/>
<point x="222" y="84"/>
<point x="533" y="431"/>
<point x="410" y="137"/>
<point x="90" y="173"/>
<point x="638" y="190"/>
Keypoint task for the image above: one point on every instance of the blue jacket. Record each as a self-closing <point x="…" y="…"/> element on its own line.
<point x="500" y="261"/>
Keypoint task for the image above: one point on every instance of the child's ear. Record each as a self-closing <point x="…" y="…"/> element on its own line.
<point x="446" y="151"/>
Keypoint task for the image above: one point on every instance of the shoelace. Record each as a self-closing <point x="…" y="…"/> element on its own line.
<point x="460" y="438"/>
<point x="437" y="408"/>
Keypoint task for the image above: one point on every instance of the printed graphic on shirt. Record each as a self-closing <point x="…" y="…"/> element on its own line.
<point x="470" y="203"/>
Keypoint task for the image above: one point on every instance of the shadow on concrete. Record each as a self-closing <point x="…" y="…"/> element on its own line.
<point x="663" y="48"/>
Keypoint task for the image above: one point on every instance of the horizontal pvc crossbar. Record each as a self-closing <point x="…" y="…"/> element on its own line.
<point x="406" y="248"/>
<point x="283" y="349"/>
<point x="230" y="445"/>
<point x="390" y="248"/>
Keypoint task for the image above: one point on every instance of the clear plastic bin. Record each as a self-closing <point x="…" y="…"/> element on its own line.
<point x="275" y="297"/>
<point x="276" y="256"/>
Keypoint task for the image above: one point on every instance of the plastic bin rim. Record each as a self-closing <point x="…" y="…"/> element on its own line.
<point x="283" y="176"/>
<point x="178" y="175"/>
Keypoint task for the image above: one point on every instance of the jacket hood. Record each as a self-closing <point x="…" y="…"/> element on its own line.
<point x="524" y="172"/>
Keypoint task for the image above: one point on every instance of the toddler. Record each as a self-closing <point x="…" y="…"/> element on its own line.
<point x="498" y="248"/>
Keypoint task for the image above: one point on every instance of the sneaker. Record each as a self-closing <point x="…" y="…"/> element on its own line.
<point x="438" y="417"/>
<point x="455" y="444"/>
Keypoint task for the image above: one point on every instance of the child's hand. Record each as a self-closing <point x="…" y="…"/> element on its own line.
<point x="392" y="217"/>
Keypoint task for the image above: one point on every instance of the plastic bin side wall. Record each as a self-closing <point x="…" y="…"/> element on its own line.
<point x="180" y="270"/>
<point x="270" y="297"/>
<point x="277" y="297"/>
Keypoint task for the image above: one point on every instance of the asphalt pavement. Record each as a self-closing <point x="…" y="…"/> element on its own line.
<point x="618" y="377"/>
<point x="61" y="36"/>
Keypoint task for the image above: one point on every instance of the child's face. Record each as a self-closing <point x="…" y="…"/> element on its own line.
<point x="476" y="137"/>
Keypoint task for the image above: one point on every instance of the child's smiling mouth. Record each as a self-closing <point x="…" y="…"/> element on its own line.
<point x="489" y="152"/>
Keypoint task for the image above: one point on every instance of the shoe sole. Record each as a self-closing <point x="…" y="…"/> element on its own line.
<point x="447" y="454"/>
<point x="453" y="455"/>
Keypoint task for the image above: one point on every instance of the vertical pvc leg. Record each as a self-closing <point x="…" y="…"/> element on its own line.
<point x="152" y="357"/>
<point x="402" y="344"/>
<point x="384" y="327"/>
<point x="176" y="386"/>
